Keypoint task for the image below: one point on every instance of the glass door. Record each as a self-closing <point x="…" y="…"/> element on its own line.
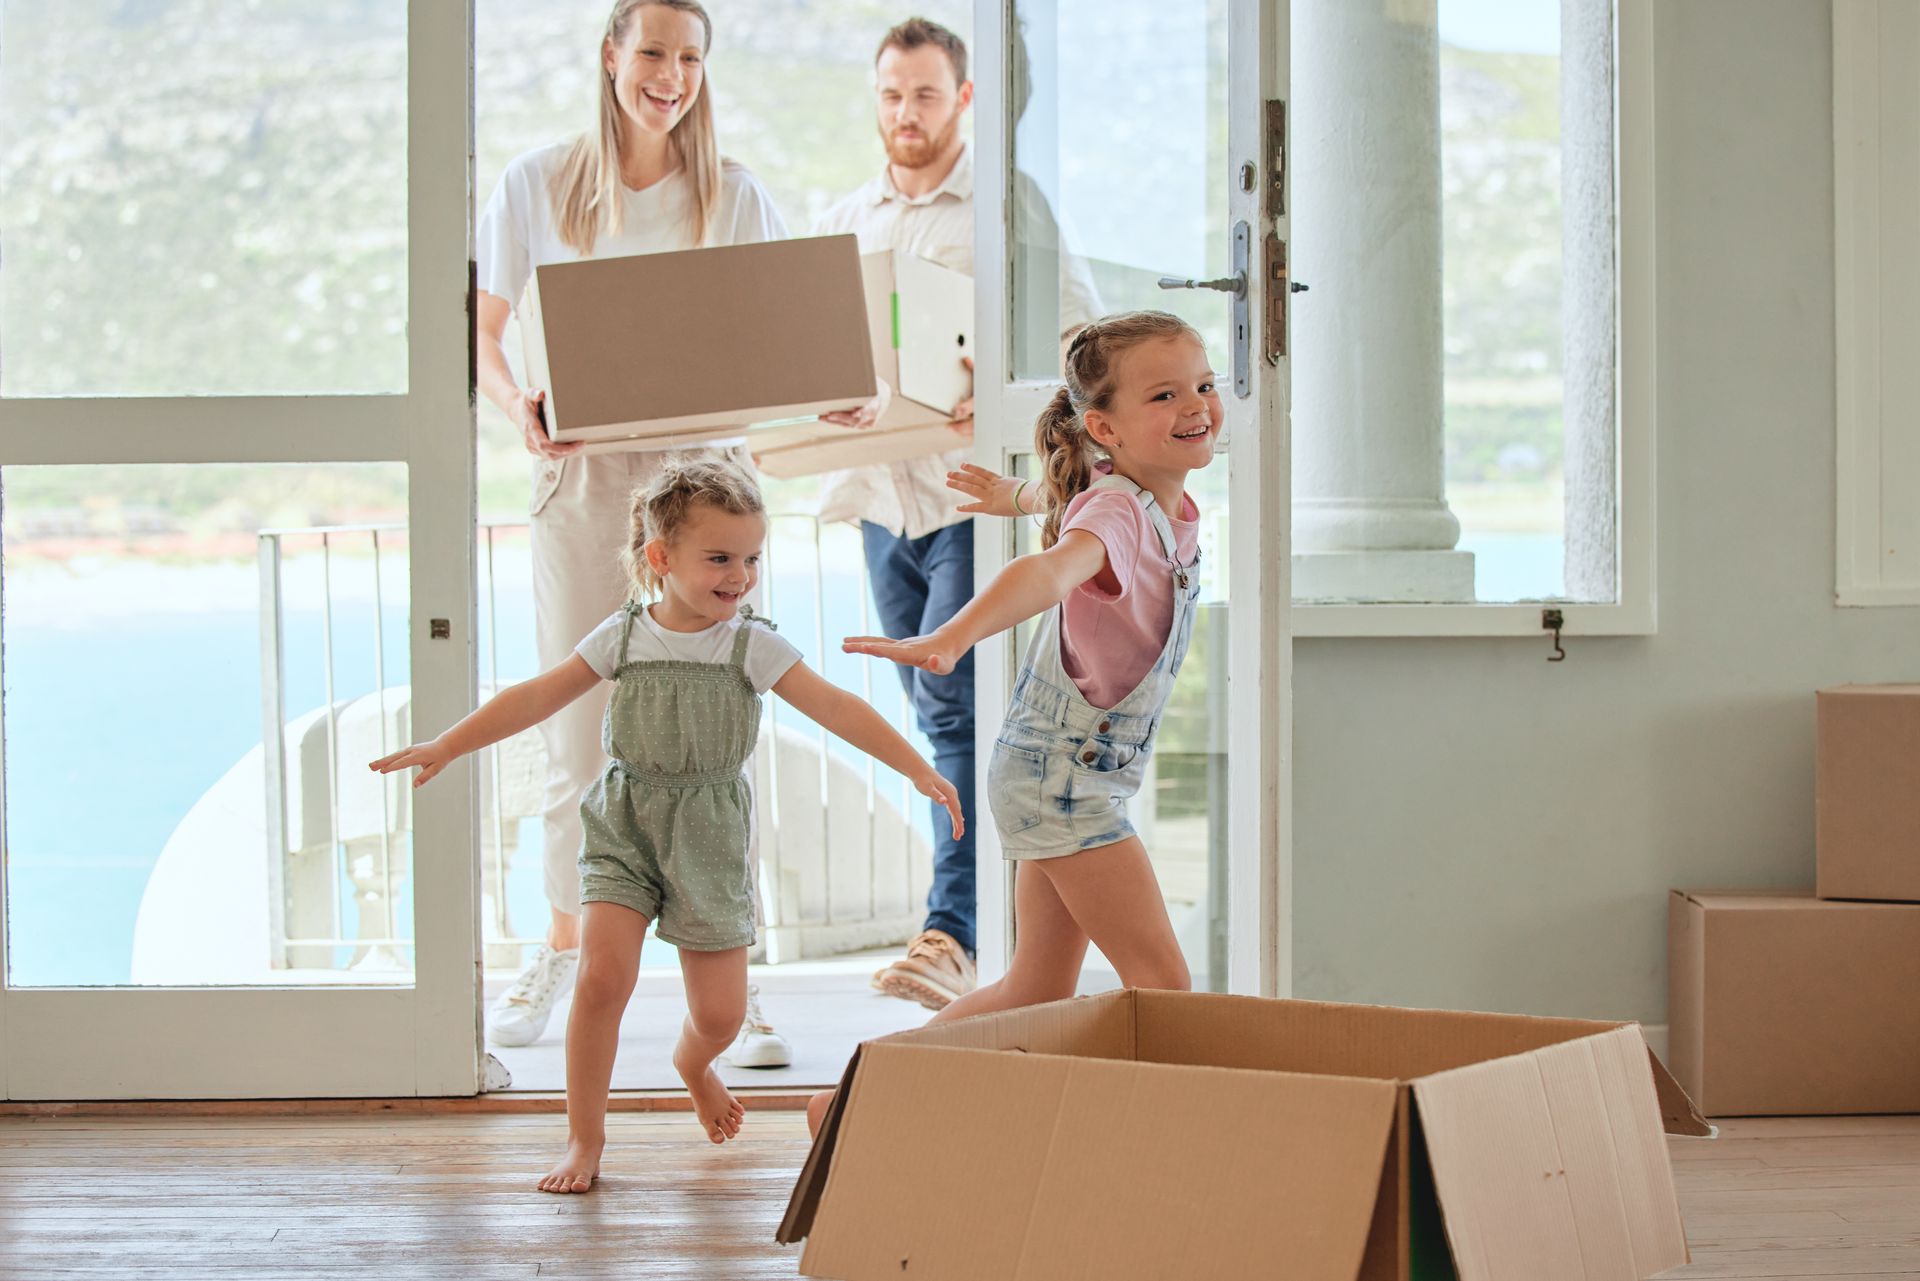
<point x="236" y="561"/>
<point x="1136" y="159"/>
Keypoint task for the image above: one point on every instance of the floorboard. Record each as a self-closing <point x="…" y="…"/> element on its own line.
<point x="412" y="1198"/>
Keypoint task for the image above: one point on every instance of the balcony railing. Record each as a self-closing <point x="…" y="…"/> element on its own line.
<point x="844" y="863"/>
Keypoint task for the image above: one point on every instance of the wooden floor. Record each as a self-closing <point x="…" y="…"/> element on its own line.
<point x="347" y="1198"/>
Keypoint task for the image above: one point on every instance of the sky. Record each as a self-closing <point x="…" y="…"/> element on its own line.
<point x="1502" y="26"/>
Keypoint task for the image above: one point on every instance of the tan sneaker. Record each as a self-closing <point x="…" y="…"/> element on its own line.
<point x="935" y="971"/>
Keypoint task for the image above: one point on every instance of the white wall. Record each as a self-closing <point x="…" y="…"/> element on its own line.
<point x="1476" y="828"/>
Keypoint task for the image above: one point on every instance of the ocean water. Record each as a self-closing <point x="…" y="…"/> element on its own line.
<point x="126" y="699"/>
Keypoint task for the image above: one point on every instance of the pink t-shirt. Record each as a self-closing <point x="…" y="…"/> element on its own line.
<point x="1115" y="624"/>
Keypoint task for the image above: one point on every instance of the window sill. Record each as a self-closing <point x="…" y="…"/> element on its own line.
<point x="1858" y="597"/>
<point x="1317" y="621"/>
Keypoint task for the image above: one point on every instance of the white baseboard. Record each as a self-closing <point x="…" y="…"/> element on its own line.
<point x="1656" y="1034"/>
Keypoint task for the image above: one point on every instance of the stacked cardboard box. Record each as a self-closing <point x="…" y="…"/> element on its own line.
<point x="1788" y="1003"/>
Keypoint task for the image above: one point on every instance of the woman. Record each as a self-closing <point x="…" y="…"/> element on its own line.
<point x="649" y="178"/>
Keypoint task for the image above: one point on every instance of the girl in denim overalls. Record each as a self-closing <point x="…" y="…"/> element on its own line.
<point x="668" y="824"/>
<point x="1116" y="596"/>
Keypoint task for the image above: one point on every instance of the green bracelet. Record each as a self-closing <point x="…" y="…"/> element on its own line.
<point x="1018" y="510"/>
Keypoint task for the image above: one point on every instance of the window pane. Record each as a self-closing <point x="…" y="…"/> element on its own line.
<point x="1454" y="414"/>
<point x="202" y="197"/>
<point x="793" y="100"/>
<point x="137" y="610"/>
<point x="1102" y="89"/>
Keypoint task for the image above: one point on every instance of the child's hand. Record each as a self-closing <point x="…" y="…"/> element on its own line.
<point x="430" y="757"/>
<point x="946" y="795"/>
<point x="991" y="492"/>
<point x="930" y="652"/>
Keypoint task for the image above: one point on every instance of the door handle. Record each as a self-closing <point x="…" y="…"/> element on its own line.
<point x="1235" y="284"/>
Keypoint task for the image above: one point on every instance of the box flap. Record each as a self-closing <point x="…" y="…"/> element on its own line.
<point x="1040" y="1167"/>
<point x="1344" y="1040"/>
<point x="1678" y="1113"/>
<point x="804" y="1204"/>
<point x="1895" y="689"/>
<point x="1098" y="1027"/>
<point x="1553" y="1164"/>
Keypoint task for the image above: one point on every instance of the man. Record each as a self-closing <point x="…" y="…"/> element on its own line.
<point x="919" y="549"/>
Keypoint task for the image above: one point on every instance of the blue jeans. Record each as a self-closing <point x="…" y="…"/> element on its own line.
<point x="918" y="584"/>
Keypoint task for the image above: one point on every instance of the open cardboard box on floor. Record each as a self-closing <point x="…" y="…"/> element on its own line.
<point x="920" y="325"/>
<point x="659" y="351"/>
<point x="1158" y="1135"/>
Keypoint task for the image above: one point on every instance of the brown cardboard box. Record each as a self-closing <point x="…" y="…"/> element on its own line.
<point x="1781" y="1004"/>
<point x="920" y="325"/>
<point x="1866" y="792"/>
<point x="1184" y="1135"/>
<point x="656" y="351"/>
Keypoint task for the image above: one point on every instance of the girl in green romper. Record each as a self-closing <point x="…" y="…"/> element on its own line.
<point x="668" y="825"/>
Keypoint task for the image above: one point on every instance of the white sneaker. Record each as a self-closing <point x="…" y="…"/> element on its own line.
<point x="521" y="1013"/>
<point x="758" y="1045"/>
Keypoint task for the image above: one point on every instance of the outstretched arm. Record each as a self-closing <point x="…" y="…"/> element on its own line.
<point x="839" y="712"/>
<point x="513" y="709"/>
<point x="1024" y="588"/>
<point x="997" y="495"/>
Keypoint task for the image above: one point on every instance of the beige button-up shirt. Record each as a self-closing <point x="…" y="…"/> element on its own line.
<point x="911" y="497"/>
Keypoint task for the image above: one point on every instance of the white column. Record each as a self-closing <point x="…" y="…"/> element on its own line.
<point x="1587" y="307"/>
<point x="1370" y="516"/>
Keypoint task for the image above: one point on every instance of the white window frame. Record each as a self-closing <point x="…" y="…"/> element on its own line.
<point x="339" y="1041"/>
<point x="1633" y="612"/>
<point x="1876" y="283"/>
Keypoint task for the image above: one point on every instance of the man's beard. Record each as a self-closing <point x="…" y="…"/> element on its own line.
<point x="919" y="154"/>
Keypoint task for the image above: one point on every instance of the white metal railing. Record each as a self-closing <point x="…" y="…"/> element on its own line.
<point x="307" y="870"/>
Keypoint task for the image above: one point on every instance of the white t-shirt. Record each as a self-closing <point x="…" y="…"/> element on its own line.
<point x="517" y="232"/>
<point x="768" y="655"/>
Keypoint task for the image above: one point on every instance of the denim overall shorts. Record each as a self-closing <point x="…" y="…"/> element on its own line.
<point x="1063" y="770"/>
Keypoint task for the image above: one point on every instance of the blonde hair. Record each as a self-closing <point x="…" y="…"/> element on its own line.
<point x="586" y="188"/>
<point x="1067" y="452"/>
<point x="661" y="507"/>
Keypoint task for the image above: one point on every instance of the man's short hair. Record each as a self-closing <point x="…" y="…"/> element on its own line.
<point x="916" y="33"/>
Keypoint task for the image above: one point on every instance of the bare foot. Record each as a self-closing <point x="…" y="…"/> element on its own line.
<point x="817" y="1111"/>
<point x="577" y="1169"/>
<point x="719" y="1112"/>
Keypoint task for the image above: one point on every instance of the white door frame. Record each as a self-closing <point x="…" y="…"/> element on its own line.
<point x="1260" y="878"/>
<point x="211" y="1042"/>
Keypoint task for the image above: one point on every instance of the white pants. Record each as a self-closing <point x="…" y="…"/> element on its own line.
<point x="580" y="512"/>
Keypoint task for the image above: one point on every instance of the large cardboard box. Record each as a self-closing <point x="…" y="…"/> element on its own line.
<point x="657" y="351"/>
<point x="1780" y="1004"/>
<point x="1160" y="1135"/>
<point x="919" y="326"/>
<point x="1866" y="792"/>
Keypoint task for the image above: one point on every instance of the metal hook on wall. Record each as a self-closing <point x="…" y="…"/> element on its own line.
<point x="1553" y="620"/>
